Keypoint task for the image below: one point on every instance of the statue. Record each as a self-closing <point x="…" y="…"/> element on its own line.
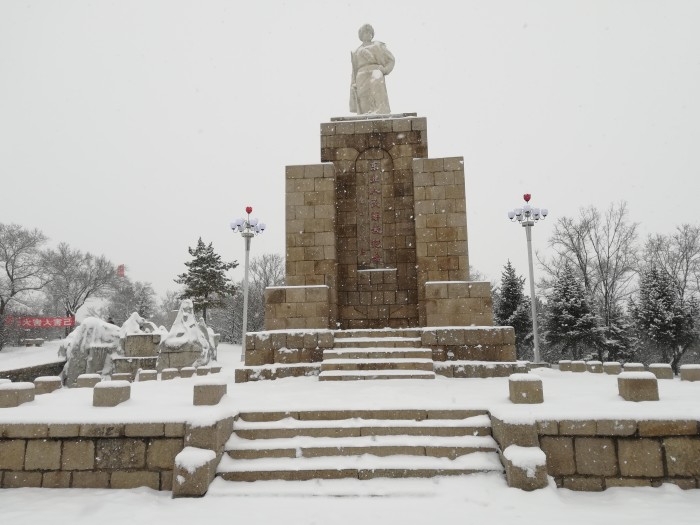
<point x="371" y="62"/>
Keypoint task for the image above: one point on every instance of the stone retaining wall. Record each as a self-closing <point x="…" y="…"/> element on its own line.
<point x="470" y="344"/>
<point x="32" y="372"/>
<point x="89" y="455"/>
<point x="287" y="347"/>
<point x="592" y="455"/>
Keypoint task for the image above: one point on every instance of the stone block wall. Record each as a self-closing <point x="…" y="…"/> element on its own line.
<point x="141" y="345"/>
<point x="30" y="373"/>
<point x="458" y="303"/>
<point x="89" y="455"/>
<point x="310" y="235"/>
<point x="440" y="223"/>
<point x="287" y="347"/>
<point x="592" y="455"/>
<point x="290" y="307"/>
<point x="495" y="344"/>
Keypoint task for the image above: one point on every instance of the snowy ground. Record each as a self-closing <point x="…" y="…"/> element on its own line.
<point x="13" y="357"/>
<point x="447" y="500"/>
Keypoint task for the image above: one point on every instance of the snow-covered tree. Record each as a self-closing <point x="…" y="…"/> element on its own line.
<point x="664" y="322"/>
<point x="128" y="297"/>
<point x="205" y="281"/>
<point x="21" y="273"/>
<point x="77" y="276"/>
<point x="570" y="325"/>
<point x="512" y="308"/>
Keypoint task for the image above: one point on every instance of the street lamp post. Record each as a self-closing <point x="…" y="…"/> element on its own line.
<point x="528" y="216"/>
<point x="248" y="228"/>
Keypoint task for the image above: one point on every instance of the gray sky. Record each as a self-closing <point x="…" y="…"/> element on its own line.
<point x="130" y="128"/>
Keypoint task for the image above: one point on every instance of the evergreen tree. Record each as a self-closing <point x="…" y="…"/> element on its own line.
<point x="570" y="323"/>
<point x="665" y="324"/>
<point x="205" y="280"/>
<point x="512" y="308"/>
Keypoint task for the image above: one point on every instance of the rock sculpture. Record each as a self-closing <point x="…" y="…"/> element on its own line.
<point x="88" y="349"/>
<point x="185" y="344"/>
<point x="371" y="62"/>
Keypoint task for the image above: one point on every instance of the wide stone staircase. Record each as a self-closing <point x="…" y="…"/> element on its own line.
<point x="377" y="354"/>
<point x="360" y="444"/>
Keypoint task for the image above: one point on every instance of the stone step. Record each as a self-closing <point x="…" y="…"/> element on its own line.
<point x="358" y="375"/>
<point x="390" y="414"/>
<point x="377" y="334"/>
<point x="378" y="353"/>
<point x="377" y="364"/>
<point x="303" y="446"/>
<point x="374" y="342"/>
<point x="290" y="427"/>
<point x="360" y="467"/>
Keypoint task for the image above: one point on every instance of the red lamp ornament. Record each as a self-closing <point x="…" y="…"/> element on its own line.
<point x="249" y="209"/>
<point x="527" y="197"/>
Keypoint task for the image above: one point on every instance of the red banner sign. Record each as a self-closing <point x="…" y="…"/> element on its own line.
<point x="40" y="322"/>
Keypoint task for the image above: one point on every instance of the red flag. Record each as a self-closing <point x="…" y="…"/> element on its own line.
<point x="120" y="270"/>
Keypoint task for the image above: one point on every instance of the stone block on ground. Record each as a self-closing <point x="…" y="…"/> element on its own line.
<point x="578" y="366"/>
<point x="526" y="467"/>
<point x="169" y="373"/>
<point x="594" y="367"/>
<point x="47" y="384"/>
<point x="194" y="471"/>
<point x="633" y="367"/>
<point x="187" y="371"/>
<point x="612" y="368"/>
<point x="111" y="393"/>
<point x="203" y="370"/>
<point x="122" y="376"/>
<point x="638" y="386"/>
<point x="209" y="393"/>
<point x="690" y="372"/>
<point x="661" y="370"/>
<point x="525" y="389"/>
<point x="15" y="394"/>
<point x="87" y="380"/>
<point x="565" y="365"/>
<point x="148" y="375"/>
<point x="215" y="369"/>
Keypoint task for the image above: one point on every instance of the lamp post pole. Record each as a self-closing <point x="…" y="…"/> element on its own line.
<point x="248" y="228"/>
<point x="528" y="216"/>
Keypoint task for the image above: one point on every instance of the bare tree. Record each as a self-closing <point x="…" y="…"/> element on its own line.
<point x="602" y="250"/>
<point x="678" y="256"/>
<point x="21" y="273"/>
<point x="77" y="276"/>
<point x="128" y="297"/>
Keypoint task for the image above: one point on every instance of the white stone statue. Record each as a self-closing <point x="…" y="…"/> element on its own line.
<point x="371" y="62"/>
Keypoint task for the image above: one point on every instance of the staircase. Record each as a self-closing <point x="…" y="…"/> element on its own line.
<point x="377" y="354"/>
<point x="360" y="444"/>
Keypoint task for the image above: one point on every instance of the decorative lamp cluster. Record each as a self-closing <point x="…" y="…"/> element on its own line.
<point x="527" y="212"/>
<point x="248" y="225"/>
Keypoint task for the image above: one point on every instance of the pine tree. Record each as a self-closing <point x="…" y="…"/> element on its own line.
<point x="513" y="309"/>
<point x="663" y="321"/>
<point x="205" y="280"/>
<point x="570" y="323"/>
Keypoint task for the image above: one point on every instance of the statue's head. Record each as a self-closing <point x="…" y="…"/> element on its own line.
<point x="366" y="33"/>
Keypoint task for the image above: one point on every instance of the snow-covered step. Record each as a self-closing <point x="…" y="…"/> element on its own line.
<point x="377" y="342"/>
<point x="356" y="427"/>
<point x="306" y="446"/>
<point x="356" y="375"/>
<point x="364" y="466"/>
<point x="377" y="364"/>
<point x="377" y="333"/>
<point x="415" y="414"/>
<point x="378" y="353"/>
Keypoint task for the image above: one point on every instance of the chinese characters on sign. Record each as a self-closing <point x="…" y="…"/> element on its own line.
<point x="40" y="322"/>
<point x="370" y="227"/>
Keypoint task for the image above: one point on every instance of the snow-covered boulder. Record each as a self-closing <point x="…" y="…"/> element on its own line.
<point x="88" y="349"/>
<point x="186" y="343"/>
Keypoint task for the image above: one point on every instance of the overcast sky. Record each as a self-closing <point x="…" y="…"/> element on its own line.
<point x="131" y="128"/>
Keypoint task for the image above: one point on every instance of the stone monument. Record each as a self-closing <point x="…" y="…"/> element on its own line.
<point x="376" y="238"/>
